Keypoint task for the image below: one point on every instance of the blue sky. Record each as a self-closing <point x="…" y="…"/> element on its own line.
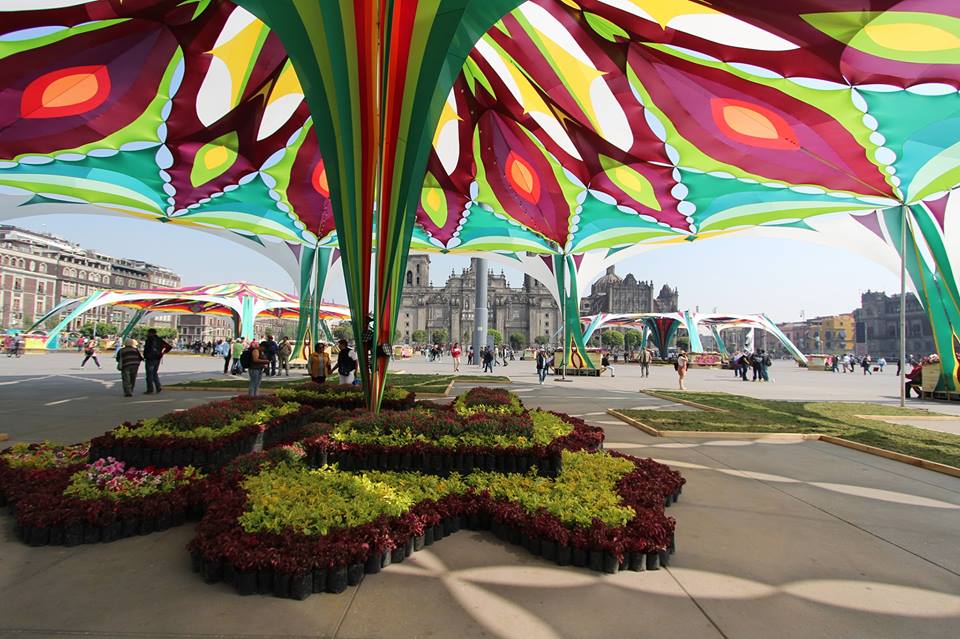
<point x="732" y="274"/>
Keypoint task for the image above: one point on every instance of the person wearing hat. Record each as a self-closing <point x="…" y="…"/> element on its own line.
<point x="128" y="363"/>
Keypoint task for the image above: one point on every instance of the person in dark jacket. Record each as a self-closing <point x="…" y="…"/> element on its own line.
<point x="270" y="350"/>
<point x="128" y="362"/>
<point x="154" y="348"/>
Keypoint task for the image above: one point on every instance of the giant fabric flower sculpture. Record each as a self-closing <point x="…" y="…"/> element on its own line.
<point x="573" y="126"/>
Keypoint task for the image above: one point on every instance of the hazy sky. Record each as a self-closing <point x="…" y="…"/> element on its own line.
<point x="733" y="275"/>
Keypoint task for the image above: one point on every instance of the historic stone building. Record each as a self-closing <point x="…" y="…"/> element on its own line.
<point x="878" y="326"/>
<point x="614" y="294"/>
<point x="529" y="310"/>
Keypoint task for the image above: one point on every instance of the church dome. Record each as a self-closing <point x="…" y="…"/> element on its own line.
<point x="610" y="277"/>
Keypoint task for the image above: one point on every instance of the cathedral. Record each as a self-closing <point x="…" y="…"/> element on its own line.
<point x="530" y="310"/>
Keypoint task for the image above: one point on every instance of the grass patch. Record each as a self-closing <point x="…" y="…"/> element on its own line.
<point x="749" y="415"/>
<point x="417" y="383"/>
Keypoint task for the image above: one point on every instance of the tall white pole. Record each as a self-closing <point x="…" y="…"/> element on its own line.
<point x="903" y="304"/>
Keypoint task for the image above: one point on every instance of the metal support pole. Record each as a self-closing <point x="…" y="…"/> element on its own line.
<point x="479" y="307"/>
<point x="903" y="305"/>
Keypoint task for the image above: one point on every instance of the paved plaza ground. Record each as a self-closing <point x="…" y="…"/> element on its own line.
<point x="789" y="539"/>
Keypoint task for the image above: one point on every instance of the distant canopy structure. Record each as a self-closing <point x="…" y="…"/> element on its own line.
<point x="660" y="328"/>
<point x="579" y="131"/>
<point x="242" y="302"/>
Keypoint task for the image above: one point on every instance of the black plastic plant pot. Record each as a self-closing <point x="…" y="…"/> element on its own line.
<point x="472" y="522"/>
<point x="246" y="582"/>
<point x="164" y="521"/>
<point x="664" y="558"/>
<point x="653" y="561"/>
<point x="438" y="532"/>
<point x="514" y="537"/>
<point x="319" y="580"/>
<point x="281" y="585"/>
<point x="73" y="534"/>
<point x="354" y="574"/>
<point x="419" y="542"/>
<point x="212" y="571"/>
<point x="264" y="581"/>
<point x="428" y="536"/>
<point x="454" y="523"/>
<point x="596" y="560"/>
<point x="91" y="534"/>
<point x="39" y="536"/>
<point x="637" y="561"/>
<point x="229" y="574"/>
<point x="196" y="561"/>
<point x="579" y="557"/>
<point x="301" y="586"/>
<point x="408" y="548"/>
<point x="178" y="517"/>
<point x="398" y="555"/>
<point x="610" y="563"/>
<point x="147" y="525"/>
<point x="166" y="457"/>
<point x="548" y="549"/>
<point x="509" y="464"/>
<point x="56" y="535"/>
<point x="372" y="565"/>
<point x="130" y="527"/>
<point x="112" y="531"/>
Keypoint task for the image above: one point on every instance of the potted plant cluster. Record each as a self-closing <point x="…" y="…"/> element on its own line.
<point x="278" y="527"/>
<point x="344" y="396"/>
<point x="486" y="430"/>
<point x="205" y="436"/>
<point x="108" y="500"/>
<point x="25" y="466"/>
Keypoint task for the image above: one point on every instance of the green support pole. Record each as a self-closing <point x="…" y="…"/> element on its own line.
<point x="247" y="319"/>
<point x="326" y="330"/>
<point x="721" y="347"/>
<point x="693" y="335"/>
<point x="308" y="257"/>
<point x="565" y="270"/>
<point x="137" y="316"/>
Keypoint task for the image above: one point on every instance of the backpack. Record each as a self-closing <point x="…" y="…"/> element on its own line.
<point x="246" y="358"/>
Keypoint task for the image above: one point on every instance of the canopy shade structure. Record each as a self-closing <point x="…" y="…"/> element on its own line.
<point x="557" y="127"/>
<point x="661" y="327"/>
<point x="241" y="301"/>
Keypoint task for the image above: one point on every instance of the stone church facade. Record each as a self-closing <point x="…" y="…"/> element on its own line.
<point x="614" y="294"/>
<point x="529" y="310"/>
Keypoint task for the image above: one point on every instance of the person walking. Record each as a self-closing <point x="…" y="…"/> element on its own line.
<point x="270" y="351"/>
<point x="487" y="357"/>
<point x="681" y="367"/>
<point x="646" y="357"/>
<point x="284" y="350"/>
<point x="225" y="350"/>
<point x="347" y="362"/>
<point x="881" y="362"/>
<point x="455" y="353"/>
<point x="865" y="364"/>
<point x="255" y="365"/>
<point x="90" y="352"/>
<point x="154" y="348"/>
<point x="318" y="366"/>
<point x="542" y="367"/>
<point x="236" y="352"/>
<point x="605" y="362"/>
<point x="128" y="363"/>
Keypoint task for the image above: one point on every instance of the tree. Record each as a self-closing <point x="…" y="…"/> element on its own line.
<point x="397" y="337"/>
<point x="517" y="340"/>
<point x="594" y="340"/>
<point x="613" y="339"/>
<point x="541" y="340"/>
<point x="496" y="335"/>
<point x="419" y="337"/>
<point x="343" y="330"/>
<point x="103" y="329"/>
<point x="139" y="333"/>
<point x="439" y="336"/>
<point x="632" y="339"/>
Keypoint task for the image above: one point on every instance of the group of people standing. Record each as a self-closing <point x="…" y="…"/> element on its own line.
<point x="276" y="354"/>
<point x="848" y="363"/>
<point x="758" y="361"/>
<point x="129" y="357"/>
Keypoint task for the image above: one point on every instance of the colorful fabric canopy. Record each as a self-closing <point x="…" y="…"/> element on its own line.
<point x="568" y="126"/>
<point x="243" y="302"/>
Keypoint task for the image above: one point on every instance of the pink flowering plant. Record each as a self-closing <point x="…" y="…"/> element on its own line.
<point x="113" y="479"/>
<point x="45" y="455"/>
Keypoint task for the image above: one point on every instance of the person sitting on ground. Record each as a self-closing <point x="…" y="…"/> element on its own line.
<point x="913" y="380"/>
<point x="128" y="363"/>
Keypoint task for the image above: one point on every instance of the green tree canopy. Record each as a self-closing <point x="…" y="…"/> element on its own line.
<point x="541" y="340"/>
<point x="496" y="335"/>
<point x="343" y="330"/>
<point x="439" y="336"/>
<point x="418" y="336"/>
<point x="632" y="339"/>
<point x="103" y="329"/>
<point x="517" y="340"/>
<point x="613" y="339"/>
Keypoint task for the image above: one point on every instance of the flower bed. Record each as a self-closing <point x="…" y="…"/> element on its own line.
<point x="487" y="400"/>
<point x="107" y="500"/>
<point x="24" y="467"/>
<point x="205" y="436"/>
<point x="344" y="396"/>
<point x="445" y="441"/>
<point x="291" y="531"/>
